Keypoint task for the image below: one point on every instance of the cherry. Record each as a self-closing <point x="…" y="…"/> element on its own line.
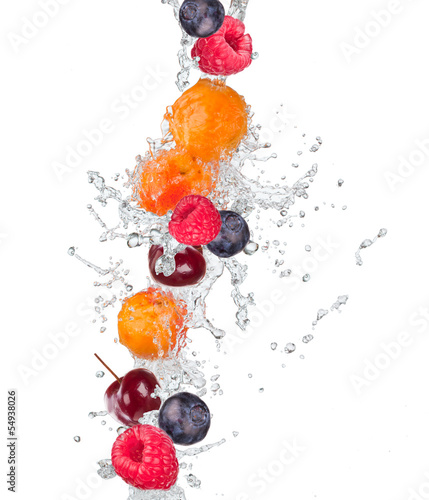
<point x="129" y="397"/>
<point x="190" y="266"/>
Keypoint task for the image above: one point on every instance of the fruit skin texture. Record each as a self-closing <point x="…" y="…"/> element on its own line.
<point x="233" y="237"/>
<point x="190" y="267"/>
<point x="151" y="324"/>
<point x="185" y="418"/>
<point x="145" y="457"/>
<point x="209" y="120"/>
<point x="227" y="52"/>
<point x="195" y="221"/>
<point x="201" y="18"/>
<point x="129" y="400"/>
<point x="171" y="175"/>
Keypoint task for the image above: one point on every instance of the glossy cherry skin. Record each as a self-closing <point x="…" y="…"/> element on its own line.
<point x="127" y="401"/>
<point x="190" y="267"/>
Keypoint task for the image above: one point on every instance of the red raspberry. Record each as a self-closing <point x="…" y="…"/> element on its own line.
<point x="226" y="52"/>
<point x="144" y="457"/>
<point x="195" y="221"/>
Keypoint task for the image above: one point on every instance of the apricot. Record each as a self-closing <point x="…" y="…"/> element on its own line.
<point x="209" y="120"/>
<point x="151" y="324"/>
<point x="171" y="175"/>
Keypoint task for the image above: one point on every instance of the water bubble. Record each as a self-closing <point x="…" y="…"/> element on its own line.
<point x="261" y="390"/>
<point x="129" y="288"/>
<point x="283" y="213"/>
<point x="250" y="375"/>
<point x="99" y="374"/>
<point x="290" y="347"/>
<point x="344" y="207"/>
<point x="306" y="278"/>
<point x="307" y="338"/>
<point x="193" y="481"/>
<point x="135" y="240"/>
<point x="274" y="346"/>
<point x="92" y="414"/>
<point x="71" y="251"/>
<point x="382" y="233"/>
<point x="255" y="55"/>
<point x="121" y="430"/>
<point x="340" y="182"/>
<point x="251" y="248"/>
<point x="286" y="274"/>
<point x="77" y="439"/>
<point x="302" y="214"/>
<point x="307" y="248"/>
<point x="103" y="422"/>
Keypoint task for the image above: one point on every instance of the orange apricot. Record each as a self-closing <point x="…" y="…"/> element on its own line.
<point x="171" y="175"/>
<point x="151" y="324"/>
<point x="209" y="120"/>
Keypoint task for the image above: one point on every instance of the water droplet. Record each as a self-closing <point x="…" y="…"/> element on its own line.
<point x="99" y="374"/>
<point x="274" y="346"/>
<point x="235" y="434"/>
<point x="77" y="439"/>
<point x="255" y="55"/>
<point x="307" y="248"/>
<point x="129" y="288"/>
<point x="290" y="347"/>
<point x="121" y="430"/>
<point x="302" y="214"/>
<point x="251" y="248"/>
<point x="340" y="182"/>
<point x="71" y="251"/>
<point x="306" y="278"/>
<point x="286" y="274"/>
<point x="261" y="390"/>
<point x="307" y="338"/>
<point x="135" y="240"/>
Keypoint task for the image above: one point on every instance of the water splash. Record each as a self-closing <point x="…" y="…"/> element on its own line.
<point x="367" y="243"/>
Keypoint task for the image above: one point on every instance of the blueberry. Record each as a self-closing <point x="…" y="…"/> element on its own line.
<point x="185" y="418"/>
<point x="201" y="18"/>
<point x="233" y="237"/>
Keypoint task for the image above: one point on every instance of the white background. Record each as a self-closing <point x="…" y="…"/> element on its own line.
<point x="370" y="108"/>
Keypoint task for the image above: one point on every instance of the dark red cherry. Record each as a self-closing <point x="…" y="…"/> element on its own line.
<point x="128" y="400"/>
<point x="190" y="267"/>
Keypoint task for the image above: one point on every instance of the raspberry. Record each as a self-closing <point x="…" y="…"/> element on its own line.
<point x="226" y="52"/>
<point x="195" y="221"/>
<point x="144" y="457"/>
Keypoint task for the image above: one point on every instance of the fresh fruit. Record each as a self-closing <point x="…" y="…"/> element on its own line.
<point x="201" y="18"/>
<point x="227" y="52"/>
<point x="195" y="221"/>
<point x="233" y="237"/>
<point x="209" y="120"/>
<point x="127" y="400"/>
<point x="190" y="267"/>
<point x="151" y="324"/>
<point x="164" y="180"/>
<point x="145" y="457"/>
<point x="185" y="418"/>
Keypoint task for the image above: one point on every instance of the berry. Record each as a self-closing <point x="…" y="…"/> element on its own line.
<point x="185" y="418"/>
<point x="145" y="457"/>
<point x="190" y="267"/>
<point x="151" y="324"/>
<point x="127" y="400"/>
<point x="161" y="182"/>
<point x="209" y="120"/>
<point x="201" y="18"/>
<point x="233" y="237"/>
<point x="227" y="52"/>
<point x="195" y="221"/>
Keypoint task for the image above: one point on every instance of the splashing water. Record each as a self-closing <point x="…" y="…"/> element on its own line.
<point x="367" y="243"/>
<point x="237" y="189"/>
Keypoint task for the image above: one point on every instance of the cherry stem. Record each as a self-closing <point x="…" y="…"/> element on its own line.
<point x="110" y="370"/>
